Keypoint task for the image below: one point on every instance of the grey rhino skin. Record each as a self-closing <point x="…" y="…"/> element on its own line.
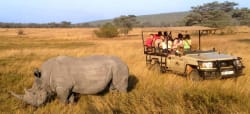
<point x="63" y="76"/>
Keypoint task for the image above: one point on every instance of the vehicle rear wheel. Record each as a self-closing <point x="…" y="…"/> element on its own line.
<point x="194" y="75"/>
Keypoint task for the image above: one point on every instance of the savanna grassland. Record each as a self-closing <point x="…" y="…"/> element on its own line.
<point x="149" y="90"/>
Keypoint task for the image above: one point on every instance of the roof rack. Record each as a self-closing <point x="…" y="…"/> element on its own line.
<point x="182" y="28"/>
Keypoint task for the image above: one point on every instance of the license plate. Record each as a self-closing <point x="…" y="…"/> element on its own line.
<point x="227" y="72"/>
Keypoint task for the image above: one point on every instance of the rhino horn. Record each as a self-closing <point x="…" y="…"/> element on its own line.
<point x="16" y="95"/>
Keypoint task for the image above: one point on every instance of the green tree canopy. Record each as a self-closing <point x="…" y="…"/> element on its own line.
<point x="242" y="15"/>
<point x="65" y="24"/>
<point x="125" y="23"/>
<point x="213" y="14"/>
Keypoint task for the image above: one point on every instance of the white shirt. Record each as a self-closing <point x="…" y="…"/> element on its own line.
<point x="163" y="45"/>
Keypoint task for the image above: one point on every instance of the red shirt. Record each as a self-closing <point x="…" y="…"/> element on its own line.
<point x="149" y="42"/>
<point x="156" y="36"/>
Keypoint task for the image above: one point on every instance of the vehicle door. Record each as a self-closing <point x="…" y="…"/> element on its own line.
<point x="176" y="63"/>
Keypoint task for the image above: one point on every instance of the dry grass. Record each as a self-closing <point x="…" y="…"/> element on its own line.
<point x="152" y="92"/>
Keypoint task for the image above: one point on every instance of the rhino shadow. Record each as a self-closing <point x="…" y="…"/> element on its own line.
<point x="132" y="82"/>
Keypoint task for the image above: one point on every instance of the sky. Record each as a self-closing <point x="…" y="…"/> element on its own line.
<point x="77" y="11"/>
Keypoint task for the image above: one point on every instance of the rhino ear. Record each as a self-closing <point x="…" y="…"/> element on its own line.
<point x="37" y="73"/>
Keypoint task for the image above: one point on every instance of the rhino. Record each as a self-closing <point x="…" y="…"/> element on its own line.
<point x="65" y="77"/>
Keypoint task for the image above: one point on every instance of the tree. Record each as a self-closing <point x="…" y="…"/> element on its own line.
<point x="65" y="24"/>
<point x="211" y="14"/>
<point x="53" y="25"/>
<point x="125" y="23"/>
<point x="85" y="25"/>
<point x="242" y="15"/>
<point x="108" y="30"/>
<point x="193" y="19"/>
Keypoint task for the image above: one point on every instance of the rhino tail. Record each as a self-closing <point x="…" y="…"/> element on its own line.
<point x="37" y="73"/>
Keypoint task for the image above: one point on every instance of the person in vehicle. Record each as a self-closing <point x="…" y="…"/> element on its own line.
<point x="178" y="44"/>
<point x="149" y="40"/>
<point x="168" y="40"/>
<point x="170" y="44"/>
<point x="187" y="43"/>
<point x="165" y="34"/>
<point x="163" y="45"/>
<point x="158" y="35"/>
<point x="157" y="40"/>
<point x="149" y="43"/>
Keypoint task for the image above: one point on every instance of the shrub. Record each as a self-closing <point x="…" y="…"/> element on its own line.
<point x="20" y="32"/>
<point x="108" y="30"/>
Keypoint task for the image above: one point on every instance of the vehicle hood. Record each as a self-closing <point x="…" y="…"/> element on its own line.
<point x="211" y="56"/>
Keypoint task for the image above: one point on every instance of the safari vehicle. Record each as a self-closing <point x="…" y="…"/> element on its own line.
<point x="195" y="64"/>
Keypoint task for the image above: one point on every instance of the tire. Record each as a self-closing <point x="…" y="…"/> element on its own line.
<point x="194" y="75"/>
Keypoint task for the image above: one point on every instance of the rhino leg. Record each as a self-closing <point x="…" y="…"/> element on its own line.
<point x="72" y="98"/>
<point x="123" y="85"/>
<point x="63" y="94"/>
<point x="120" y="80"/>
<point x="111" y="87"/>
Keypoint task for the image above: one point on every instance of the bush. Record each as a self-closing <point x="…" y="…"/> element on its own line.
<point x="108" y="30"/>
<point x="20" y="32"/>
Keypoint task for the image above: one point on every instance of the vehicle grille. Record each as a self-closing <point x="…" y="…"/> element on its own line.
<point x="221" y="69"/>
<point x="225" y="64"/>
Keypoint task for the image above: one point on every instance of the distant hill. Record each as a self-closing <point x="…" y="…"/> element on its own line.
<point x="163" y="19"/>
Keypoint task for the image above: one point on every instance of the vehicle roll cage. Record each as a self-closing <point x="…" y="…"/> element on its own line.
<point x="200" y="29"/>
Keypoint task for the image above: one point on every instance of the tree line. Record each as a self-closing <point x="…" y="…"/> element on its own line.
<point x="212" y="14"/>
<point x="63" y="24"/>
<point x="219" y="15"/>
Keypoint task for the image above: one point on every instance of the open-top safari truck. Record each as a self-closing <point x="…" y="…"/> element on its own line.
<point x="195" y="64"/>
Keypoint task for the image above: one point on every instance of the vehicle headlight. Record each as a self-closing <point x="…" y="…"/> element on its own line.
<point x="238" y="63"/>
<point x="206" y="64"/>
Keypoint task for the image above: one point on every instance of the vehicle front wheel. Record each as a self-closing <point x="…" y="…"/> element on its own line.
<point x="194" y="75"/>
